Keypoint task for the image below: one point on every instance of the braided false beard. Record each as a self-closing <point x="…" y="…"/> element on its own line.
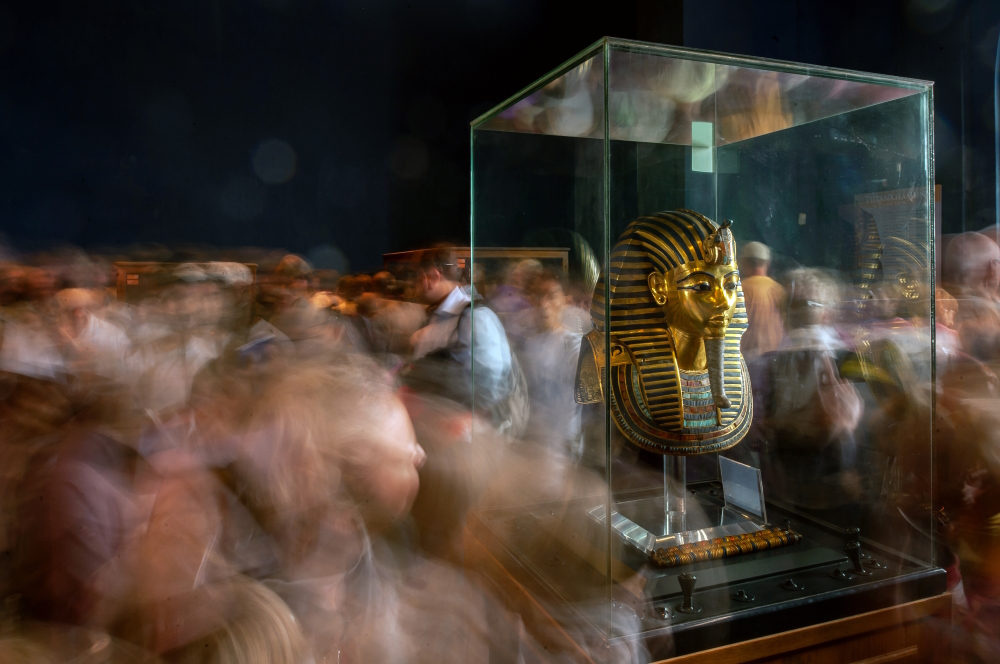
<point x="714" y="357"/>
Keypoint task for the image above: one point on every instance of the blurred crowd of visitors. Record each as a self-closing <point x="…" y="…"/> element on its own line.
<point x="270" y="463"/>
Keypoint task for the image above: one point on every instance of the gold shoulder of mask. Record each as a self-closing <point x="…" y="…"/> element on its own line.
<point x="590" y="367"/>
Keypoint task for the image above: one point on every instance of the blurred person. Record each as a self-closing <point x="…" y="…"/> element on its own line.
<point x="199" y="538"/>
<point x="527" y="474"/>
<point x="294" y="271"/>
<point x="965" y="487"/>
<point x="283" y="288"/>
<point x="184" y="573"/>
<point x="324" y="332"/>
<point x="32" y="407"/>
<point x="90" y="345"/>
<point x="345" y="470"/>
<point x="972" y="268"/>
<point x="813" y="298"/>
<point x="359" y="308"/>
<point x="550" y="355"/>
<point x="207" y="307"/>
<point x="28" y="346"/>
<point x="33" y="413"/>
<point x="235" y="282"/>
<point x="185" y="334"/>
<point x="391" y="322"/>
<point x="263" y="631"/>
<point x="346" y="292"/>
<point x="340" y="328"/>
<point x="807" y="411"/>
<point x="79" y="513"/>
<point x="283" y="308"/>
<point x="447" y="338"/>
<point x="357" y="586"/>
<point x="291" y="281"/>
<point x="325" y="415"/>
<point x="35" y="396"/>
<point x="438" y="395"/>
<point x="765" y="301"/>
<point x="510" y="298"/>
<point x="455" y="473"/>
<point x="439" y="388"/>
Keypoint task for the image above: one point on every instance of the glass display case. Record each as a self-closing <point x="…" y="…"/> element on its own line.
<point x="737" y="442"/>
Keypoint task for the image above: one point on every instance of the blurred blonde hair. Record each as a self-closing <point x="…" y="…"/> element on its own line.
<point x="265" y="632"/>
<point x="307" y="417"/>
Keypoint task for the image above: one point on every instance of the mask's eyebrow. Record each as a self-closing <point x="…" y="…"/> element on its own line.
<point x="703" y="275"/>
<point x="736" y="272"/>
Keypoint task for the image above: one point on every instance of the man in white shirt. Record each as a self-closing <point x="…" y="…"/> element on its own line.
<point x="452" y="315"/>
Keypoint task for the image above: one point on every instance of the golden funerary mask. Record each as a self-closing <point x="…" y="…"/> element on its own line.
<point x="678" y="384"/>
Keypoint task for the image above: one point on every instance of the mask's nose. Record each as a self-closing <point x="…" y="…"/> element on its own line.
<point x="721" y="298"/>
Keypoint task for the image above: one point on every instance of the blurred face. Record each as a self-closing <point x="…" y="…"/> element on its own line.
<point x="385" y="482"/>
<point x="549" y="304"/>
<point x="194" y="305"/>
<point x="211" y="305"/>
<point x="431" y="286"/>
<point x="73" y="320"/>
<point x="698" y="299"/>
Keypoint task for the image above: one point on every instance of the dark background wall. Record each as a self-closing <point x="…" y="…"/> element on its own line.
<point x="340" y="129"/>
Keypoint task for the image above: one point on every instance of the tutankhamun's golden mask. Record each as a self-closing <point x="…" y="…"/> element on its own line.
<point x="678" y="384"/>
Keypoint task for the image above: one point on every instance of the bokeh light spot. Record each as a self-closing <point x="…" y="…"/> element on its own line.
<point x="274" y="161"/>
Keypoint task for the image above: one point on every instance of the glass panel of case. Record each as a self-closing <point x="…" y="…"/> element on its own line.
<point x="795" y="339"/>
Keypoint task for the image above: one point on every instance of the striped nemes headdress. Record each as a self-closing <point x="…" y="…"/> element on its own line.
<point x="654" y="403"/>
<point x="661" y="241"/>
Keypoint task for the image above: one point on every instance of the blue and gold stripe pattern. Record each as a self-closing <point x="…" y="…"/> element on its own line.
<point x="700" y="413"/>
<point x="654" y="404"/>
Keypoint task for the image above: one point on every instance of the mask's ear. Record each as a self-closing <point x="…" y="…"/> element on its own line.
<point x="658" y="287"/>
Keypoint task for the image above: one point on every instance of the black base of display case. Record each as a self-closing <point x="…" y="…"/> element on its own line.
<point x="559" y="555"/>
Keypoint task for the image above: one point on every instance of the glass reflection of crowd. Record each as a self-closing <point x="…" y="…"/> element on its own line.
<point x="843" y="387"/>
<point x="275" y="465"/>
